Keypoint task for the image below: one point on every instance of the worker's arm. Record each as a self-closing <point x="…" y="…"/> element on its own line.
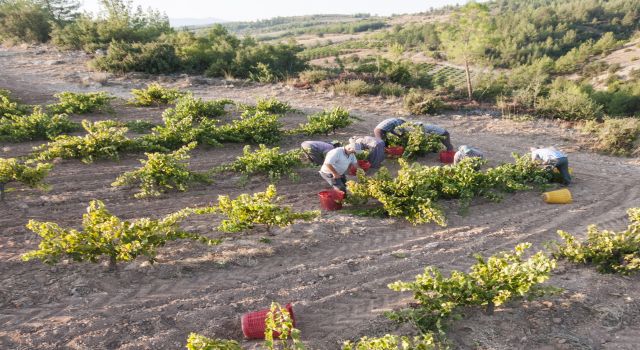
<point x="333" y="171"/>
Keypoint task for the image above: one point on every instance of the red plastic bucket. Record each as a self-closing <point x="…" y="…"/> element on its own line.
<point x="394" y="151"/>
<point x="446" y="157"/>
<point x="331" y="199"/>
<point x="364" y="164"/>
<point x="253" y="324"/>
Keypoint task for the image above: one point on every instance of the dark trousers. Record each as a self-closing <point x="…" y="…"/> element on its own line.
<point x="339" y="184"/>
<point x="562" y="164"/>
<point x="446" y="141"/>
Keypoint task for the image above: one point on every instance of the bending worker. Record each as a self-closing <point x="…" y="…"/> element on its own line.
<point x="317" y="150"/>
<point x="374" y="146"/>
<point x="465" y="151"/>
<point x="552" y="157"/>
<point x="387" y="126"/>
<point x="437" y="130"/>
<point x="336" y="164"/>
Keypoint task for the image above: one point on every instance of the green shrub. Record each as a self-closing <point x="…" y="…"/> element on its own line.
<point x="325" y="122"/>
<point x="28" y="173"/>
<point x="267" y="161"/>
<point x="200" y="342"/>
<point x="568" y="101"/>
<point x="104" y="234"/>
<point x="416" y="142"/>
<point x="196" y="108"/>
<point x="610" y="251"/>
<point x="153" y="58"/>
<point x="420" y="102"/>
<point x="247" y="211"/>
<point x="313" y="76"/>
<point x="355" y="88"/>
<point x="81" y="103"/>
<point x="139" y="126"/>
<point x="619" y="137"/>
<point x="490" y="282"/>
<point x="258" y="128"/>
<point x="162" y="172"/>
<point x="279" y="321"/>
<point x="414" y="193"/>
<point x="8" y="106"/>
<point x="36" y="126"/>
<point x="266" y="105"/>
<point x="391" y="89"/>
<point x="118" y="21"/>
<point x="24" y="21"/>
<point x="154" y="95"/>
<point x="394" y="342"/>
<point x="104" y="140"/>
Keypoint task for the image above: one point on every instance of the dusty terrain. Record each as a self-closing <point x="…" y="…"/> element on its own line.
<point x="334" y="270"/>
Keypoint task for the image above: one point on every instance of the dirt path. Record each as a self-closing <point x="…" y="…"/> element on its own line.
<point x="335" y="270"/>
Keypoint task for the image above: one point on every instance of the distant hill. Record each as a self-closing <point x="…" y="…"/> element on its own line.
<point x="188" y="22"/>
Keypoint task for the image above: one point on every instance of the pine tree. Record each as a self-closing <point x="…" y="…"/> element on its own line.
<point x="61" y="11"/>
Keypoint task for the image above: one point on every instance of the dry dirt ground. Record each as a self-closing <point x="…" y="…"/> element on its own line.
<point x="334" y="270"/>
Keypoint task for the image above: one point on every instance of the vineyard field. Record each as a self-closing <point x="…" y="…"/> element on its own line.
<point x="334" y="269"/>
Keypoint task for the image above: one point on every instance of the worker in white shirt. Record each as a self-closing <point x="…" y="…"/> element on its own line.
<point x="337" y="163"/>
<point x="550" y="156"/>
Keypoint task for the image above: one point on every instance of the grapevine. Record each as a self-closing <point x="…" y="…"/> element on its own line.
<point x="490" y="282"/>
<point x="154" y="95"/>
<point x="414" y="193"/>
<point x="104" y="234"/>
<point x="264" y="160"/>
<point x="36" y="126"/>
<point x="610" y="251"/>
<point x="200" y="342"/>
<point x="325" y="122"/>
<point x="269" y="106"/>
<point x="29" y="174"/>
<point x="279" y="320"/>
<point x="104" y="139"/>
<point x="261" y="208"/>
<point x="161" y="172"/>
<point x="79" y="103"/>
<point x="394" y="342"/>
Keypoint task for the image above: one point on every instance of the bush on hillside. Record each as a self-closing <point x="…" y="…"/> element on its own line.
<point x="23" y="21"/>
<point x="568" y="101"/>
<point x="420" y="102"/>
<point x="153" y="58"/>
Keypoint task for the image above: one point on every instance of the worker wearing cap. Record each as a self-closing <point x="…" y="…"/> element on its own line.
<point x="337" y="163"/>
<point x="317" y="150"/>
<point x="465" y="151"/>
<point x="437" y="130"/>
<point x="388" y="126"/>
<point x="550" y="156"/>
<point x="374" y="146"/>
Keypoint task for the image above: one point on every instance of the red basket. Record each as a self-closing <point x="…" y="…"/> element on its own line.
<point x="253" y="324"/>
<point x="331" y="199"/>
<point x="446" y="157"/>
<point x="364" y="164"/>
<point x="394" y="150"/>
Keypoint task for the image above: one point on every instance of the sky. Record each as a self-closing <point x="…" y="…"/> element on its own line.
<point x="248" y="10"/>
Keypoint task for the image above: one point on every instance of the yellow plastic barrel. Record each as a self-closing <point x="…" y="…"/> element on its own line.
<point x="555" y="170"/>
<point x="562" y="196"/>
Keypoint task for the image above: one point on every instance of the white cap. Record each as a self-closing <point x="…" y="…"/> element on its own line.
<point x="354" y="147"/>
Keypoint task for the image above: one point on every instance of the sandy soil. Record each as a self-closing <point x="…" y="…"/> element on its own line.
<point x="334" y="270"/>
